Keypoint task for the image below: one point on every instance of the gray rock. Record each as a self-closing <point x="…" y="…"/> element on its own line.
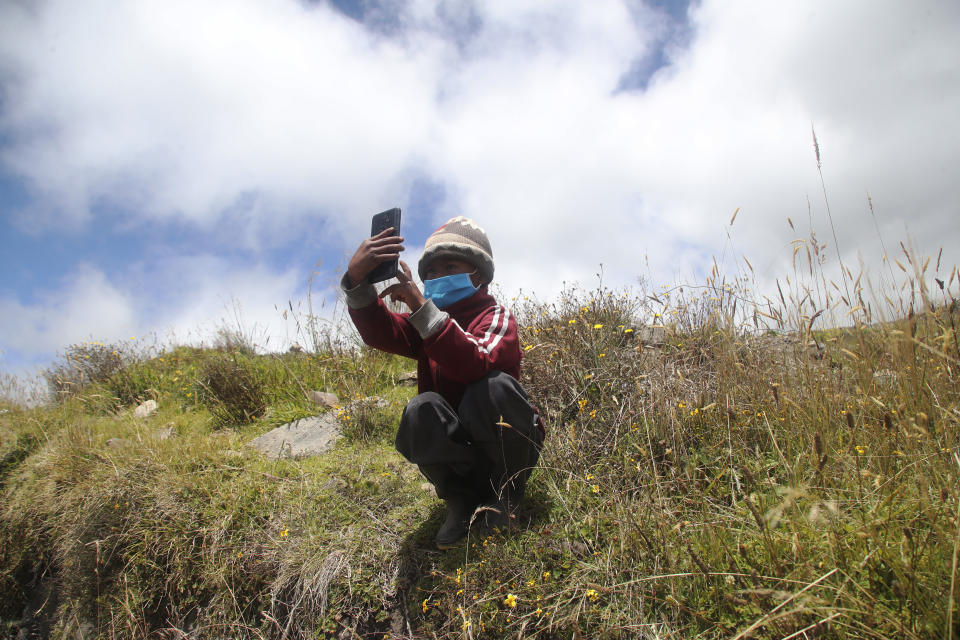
<point x="323" y="398"/>
<point x="407" y="379"/>
<point x="146" y="409"/>
<point x="304" y="437"/>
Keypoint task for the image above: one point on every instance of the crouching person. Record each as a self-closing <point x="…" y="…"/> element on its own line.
<point x="471" y="429"/>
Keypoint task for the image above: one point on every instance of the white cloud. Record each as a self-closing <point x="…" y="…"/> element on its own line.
<point x="186" y="302"/>
<point x="570" y="172"/>
<point x="88" y="306"/>
<point x="178" y="108"/>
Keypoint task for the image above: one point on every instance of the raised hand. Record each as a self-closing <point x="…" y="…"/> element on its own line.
<point x="382" y="247"/>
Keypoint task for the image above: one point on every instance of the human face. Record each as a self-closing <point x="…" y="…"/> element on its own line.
<point x="442" y="266"/>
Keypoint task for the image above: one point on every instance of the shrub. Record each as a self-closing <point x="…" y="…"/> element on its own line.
<point x="134" y="384"/>
<point x="368" y="419"/>
<point x="234" y="341"/>
<point x="231" y="389"/>
<point x="84" y="364"/>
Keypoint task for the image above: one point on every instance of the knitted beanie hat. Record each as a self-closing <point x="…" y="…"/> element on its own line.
<point x="463" y="239"/>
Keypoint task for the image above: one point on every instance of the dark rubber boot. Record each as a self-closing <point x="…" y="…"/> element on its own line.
<point x="498" y="510"/>
<point x="457" y="523"/>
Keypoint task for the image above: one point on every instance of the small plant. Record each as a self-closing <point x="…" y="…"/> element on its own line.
<point x="17" y="392"/>
<point x="233" y="341"/>
<point x="134" y="384"/>
<point x="232" y="390"/>
<point x="85" y="364"/>
<point x="234" y="336"/>
<point x="368" y="419"/>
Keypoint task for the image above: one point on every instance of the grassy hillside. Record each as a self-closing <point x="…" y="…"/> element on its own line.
<point x="705" y="478"/>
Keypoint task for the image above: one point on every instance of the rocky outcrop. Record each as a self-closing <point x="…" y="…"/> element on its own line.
<point x="304" y="437"/>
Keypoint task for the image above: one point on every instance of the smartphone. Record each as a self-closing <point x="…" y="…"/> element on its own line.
<point x="381" y="221"/>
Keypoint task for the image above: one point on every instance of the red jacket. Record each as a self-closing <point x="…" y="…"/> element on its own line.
<point x="463" y="342"/>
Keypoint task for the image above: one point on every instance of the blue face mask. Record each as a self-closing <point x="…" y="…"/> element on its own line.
<point x="449" y="289"/>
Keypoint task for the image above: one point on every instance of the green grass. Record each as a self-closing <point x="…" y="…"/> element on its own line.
<point x="746" y="476"/>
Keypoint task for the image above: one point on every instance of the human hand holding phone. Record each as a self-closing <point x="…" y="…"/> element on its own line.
<point x="377" y="256"/>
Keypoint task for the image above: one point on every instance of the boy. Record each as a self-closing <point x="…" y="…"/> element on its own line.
<point x="471" y="430"/>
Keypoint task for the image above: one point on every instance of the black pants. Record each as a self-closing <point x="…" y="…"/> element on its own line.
<point x="484" y="450"/>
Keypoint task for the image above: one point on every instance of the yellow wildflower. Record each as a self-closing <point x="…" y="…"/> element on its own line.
<point x="510" y="601"/>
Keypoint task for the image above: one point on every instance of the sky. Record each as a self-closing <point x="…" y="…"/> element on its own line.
<point x="169" y="167"/>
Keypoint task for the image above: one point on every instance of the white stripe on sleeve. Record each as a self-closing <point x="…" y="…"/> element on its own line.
<point x="493" y="335"/>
